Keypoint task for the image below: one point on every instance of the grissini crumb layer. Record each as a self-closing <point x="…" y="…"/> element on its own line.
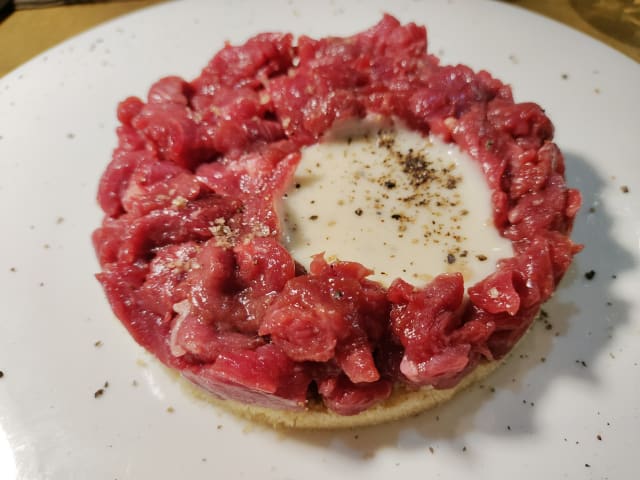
<point x="402" y="403"/>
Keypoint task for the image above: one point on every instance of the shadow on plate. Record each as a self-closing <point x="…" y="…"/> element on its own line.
<point x="582" y="316"/>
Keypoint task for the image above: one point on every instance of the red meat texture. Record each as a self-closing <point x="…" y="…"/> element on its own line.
<point x="190" y="249"/>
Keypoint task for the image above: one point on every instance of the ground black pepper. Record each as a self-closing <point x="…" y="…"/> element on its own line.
<point x="590" y="274"/>
<point x="416" y="166"/>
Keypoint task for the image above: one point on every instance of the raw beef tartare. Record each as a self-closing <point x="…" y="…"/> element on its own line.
<point x="191" y="250"/>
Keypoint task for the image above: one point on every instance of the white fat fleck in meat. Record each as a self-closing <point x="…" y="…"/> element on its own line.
<point x="182" y="309"/>
<point x="179" y="202"/>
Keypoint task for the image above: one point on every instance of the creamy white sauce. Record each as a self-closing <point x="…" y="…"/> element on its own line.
<point x="401" y="204"/>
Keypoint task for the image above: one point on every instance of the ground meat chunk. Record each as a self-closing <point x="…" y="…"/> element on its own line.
<point x="426" y="321"/>
<point x="333" y="312"/>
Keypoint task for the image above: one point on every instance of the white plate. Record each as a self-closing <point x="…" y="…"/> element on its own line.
<point x="575" y="415"/>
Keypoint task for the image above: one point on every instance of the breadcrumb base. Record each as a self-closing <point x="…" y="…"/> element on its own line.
<point x="402" y="404"/>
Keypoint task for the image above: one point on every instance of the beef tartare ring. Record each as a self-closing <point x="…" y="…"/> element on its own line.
<point x="191" y="246"/>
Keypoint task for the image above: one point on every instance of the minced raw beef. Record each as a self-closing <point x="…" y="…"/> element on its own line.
<point x="190" y="250"/>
